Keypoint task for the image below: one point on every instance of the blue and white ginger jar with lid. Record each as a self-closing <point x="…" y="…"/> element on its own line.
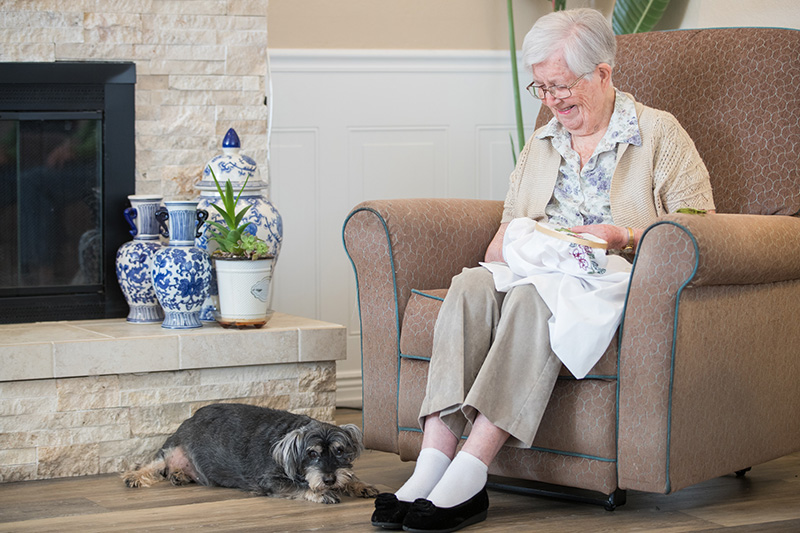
<point x="265" y="221"/>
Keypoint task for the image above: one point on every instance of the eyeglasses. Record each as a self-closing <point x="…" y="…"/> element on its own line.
<point x="556" y="91"/>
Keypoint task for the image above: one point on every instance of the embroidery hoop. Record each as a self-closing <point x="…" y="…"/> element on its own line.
<point x="558" y="232"/>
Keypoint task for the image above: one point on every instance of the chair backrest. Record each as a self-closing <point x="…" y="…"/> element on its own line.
<point x="736" y="91"/>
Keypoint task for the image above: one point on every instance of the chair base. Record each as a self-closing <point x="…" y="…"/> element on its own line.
<point x="534" y="488"/>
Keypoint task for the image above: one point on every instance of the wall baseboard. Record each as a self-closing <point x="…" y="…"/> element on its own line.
<point x="348" y="389"/>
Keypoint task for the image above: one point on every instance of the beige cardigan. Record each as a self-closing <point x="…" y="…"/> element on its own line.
<point x="661" y="176"/>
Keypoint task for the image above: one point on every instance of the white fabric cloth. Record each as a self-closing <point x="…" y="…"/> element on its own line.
<point x="583" y="287"/>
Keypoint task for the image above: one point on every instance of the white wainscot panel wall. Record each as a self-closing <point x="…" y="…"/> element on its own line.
<point x="350" y="126"/>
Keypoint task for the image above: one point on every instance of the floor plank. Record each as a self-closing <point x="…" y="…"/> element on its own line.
<point x="767" y="499"/>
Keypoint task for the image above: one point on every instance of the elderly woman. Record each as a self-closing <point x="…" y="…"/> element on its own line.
<point x="605" y="165"/>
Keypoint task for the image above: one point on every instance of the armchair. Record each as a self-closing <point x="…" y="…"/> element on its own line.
<point x="703" y="378"/>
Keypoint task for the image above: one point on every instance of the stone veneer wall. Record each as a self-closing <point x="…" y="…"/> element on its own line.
<point x="200" y="66"/>
<point x="105" y="424"/>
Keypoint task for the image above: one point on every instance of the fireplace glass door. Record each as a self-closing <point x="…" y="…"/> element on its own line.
<point x="51" y="231"/>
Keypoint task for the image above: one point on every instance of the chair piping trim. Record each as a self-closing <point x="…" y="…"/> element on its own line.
<point x="620" y="334"/>
<point x="396" y="309"/>
<point x="415" y="357"/>
<point x="426" y="295"/>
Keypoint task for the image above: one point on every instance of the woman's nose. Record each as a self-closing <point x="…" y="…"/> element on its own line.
<point x="548" y="94"/>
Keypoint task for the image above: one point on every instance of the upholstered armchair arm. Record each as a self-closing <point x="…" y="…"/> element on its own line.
<point x="396" y="246"/>
<point x="710" y="350"/>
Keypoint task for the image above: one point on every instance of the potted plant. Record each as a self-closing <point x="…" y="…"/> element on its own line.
<point x="243" y="264"/>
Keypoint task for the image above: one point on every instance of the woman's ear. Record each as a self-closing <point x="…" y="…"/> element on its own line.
<point x="604" y="72"/>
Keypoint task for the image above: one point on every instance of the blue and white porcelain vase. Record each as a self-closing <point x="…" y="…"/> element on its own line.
<point x="265" y="221"/>
<point x="181" y="271"/>
<point x="135" y="259"/>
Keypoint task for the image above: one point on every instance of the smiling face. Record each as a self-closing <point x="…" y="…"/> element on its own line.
<point x="588" y="110"/>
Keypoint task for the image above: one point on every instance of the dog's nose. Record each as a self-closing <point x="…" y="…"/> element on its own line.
<point x="329" y="479"/>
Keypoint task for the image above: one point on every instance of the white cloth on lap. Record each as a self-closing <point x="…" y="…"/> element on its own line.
<point x="583" y="287"/>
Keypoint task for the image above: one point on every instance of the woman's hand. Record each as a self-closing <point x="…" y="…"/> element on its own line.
<point x="494" y="253"/>
<point x="615" y="236"/>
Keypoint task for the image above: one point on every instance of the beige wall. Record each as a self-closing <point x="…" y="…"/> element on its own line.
<point x="407" y="24"/>
<point x="728" y="13"/>
<point x="477" y="24"/>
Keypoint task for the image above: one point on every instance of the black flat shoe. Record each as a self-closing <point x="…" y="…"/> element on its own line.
<point x="389" y="511"/>
<point x="424" y="517"/>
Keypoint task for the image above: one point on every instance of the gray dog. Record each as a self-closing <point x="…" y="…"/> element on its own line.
<point x="261" y="450"/>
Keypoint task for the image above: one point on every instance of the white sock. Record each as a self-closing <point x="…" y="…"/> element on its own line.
<point x="465" y="477"/>
<point x="431" y="465"/>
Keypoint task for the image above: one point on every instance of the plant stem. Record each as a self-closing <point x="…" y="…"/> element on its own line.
<point x="515" y="76"/>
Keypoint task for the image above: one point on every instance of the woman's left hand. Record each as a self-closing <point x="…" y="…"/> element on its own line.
<point x="615" y="236"/>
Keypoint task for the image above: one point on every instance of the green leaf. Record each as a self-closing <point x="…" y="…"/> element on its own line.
<point x="691" y="211"/>
<point x="240" y="215"/>
<point x="513" y="149"/>
<point x="227" y="199"/>
<point x="636" y="16"/>
<point x="224" y="215"/>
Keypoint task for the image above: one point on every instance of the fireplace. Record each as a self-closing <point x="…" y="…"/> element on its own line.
<point x="66" y="168"/>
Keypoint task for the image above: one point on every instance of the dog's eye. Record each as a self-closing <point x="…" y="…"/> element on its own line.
<point x="338" y="452"/>
<point x="313" y="454"/>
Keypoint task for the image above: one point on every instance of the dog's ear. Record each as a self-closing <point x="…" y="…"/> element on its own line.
<point x="288" y="451"/>
<point x="355" y="433"/>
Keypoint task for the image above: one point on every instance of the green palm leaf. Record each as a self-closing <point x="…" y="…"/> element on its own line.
<point x="636" y="16"/>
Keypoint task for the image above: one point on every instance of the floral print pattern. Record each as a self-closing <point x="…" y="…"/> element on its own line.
<point x="584" y="255"/>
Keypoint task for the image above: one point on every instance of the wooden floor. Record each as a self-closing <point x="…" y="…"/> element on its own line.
<point x="767" y="499"/>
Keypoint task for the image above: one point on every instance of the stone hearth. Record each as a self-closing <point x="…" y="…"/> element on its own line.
<point x="94" y="397"/>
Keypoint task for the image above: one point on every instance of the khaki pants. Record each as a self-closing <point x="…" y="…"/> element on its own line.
<point x="491" y="355"/>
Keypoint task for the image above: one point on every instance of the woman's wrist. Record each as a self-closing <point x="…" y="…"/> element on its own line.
<point x="629" y="239"/>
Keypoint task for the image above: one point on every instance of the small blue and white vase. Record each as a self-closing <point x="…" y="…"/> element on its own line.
<point x="265" y="221"/>
<point x="181" y="272"/>
<point x="135" y="259"/>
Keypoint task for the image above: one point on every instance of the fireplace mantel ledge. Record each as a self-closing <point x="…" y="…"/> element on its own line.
<point x="47" y="350"/>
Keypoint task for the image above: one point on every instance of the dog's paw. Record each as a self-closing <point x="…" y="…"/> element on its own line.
<point x="131" y="480"/>
<point x="368" y="491"/>
<point x="143" y="476"/>
<point x="326" y="497"/>
<point x="359" y="489"/>
<point x="362" y="490"/>
<point x="179" y="477"/>
<point x="330" y="497"/>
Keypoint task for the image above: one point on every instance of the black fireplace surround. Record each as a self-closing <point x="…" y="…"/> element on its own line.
<point x="67" y="161"/>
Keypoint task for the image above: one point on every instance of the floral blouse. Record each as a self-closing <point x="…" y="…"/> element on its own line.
<point x="581" y="195"/>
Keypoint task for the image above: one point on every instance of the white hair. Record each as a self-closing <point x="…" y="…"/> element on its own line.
<point x="583" y="35"/>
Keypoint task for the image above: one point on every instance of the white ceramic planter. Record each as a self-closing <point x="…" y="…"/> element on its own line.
<point x="244" y="288"/>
